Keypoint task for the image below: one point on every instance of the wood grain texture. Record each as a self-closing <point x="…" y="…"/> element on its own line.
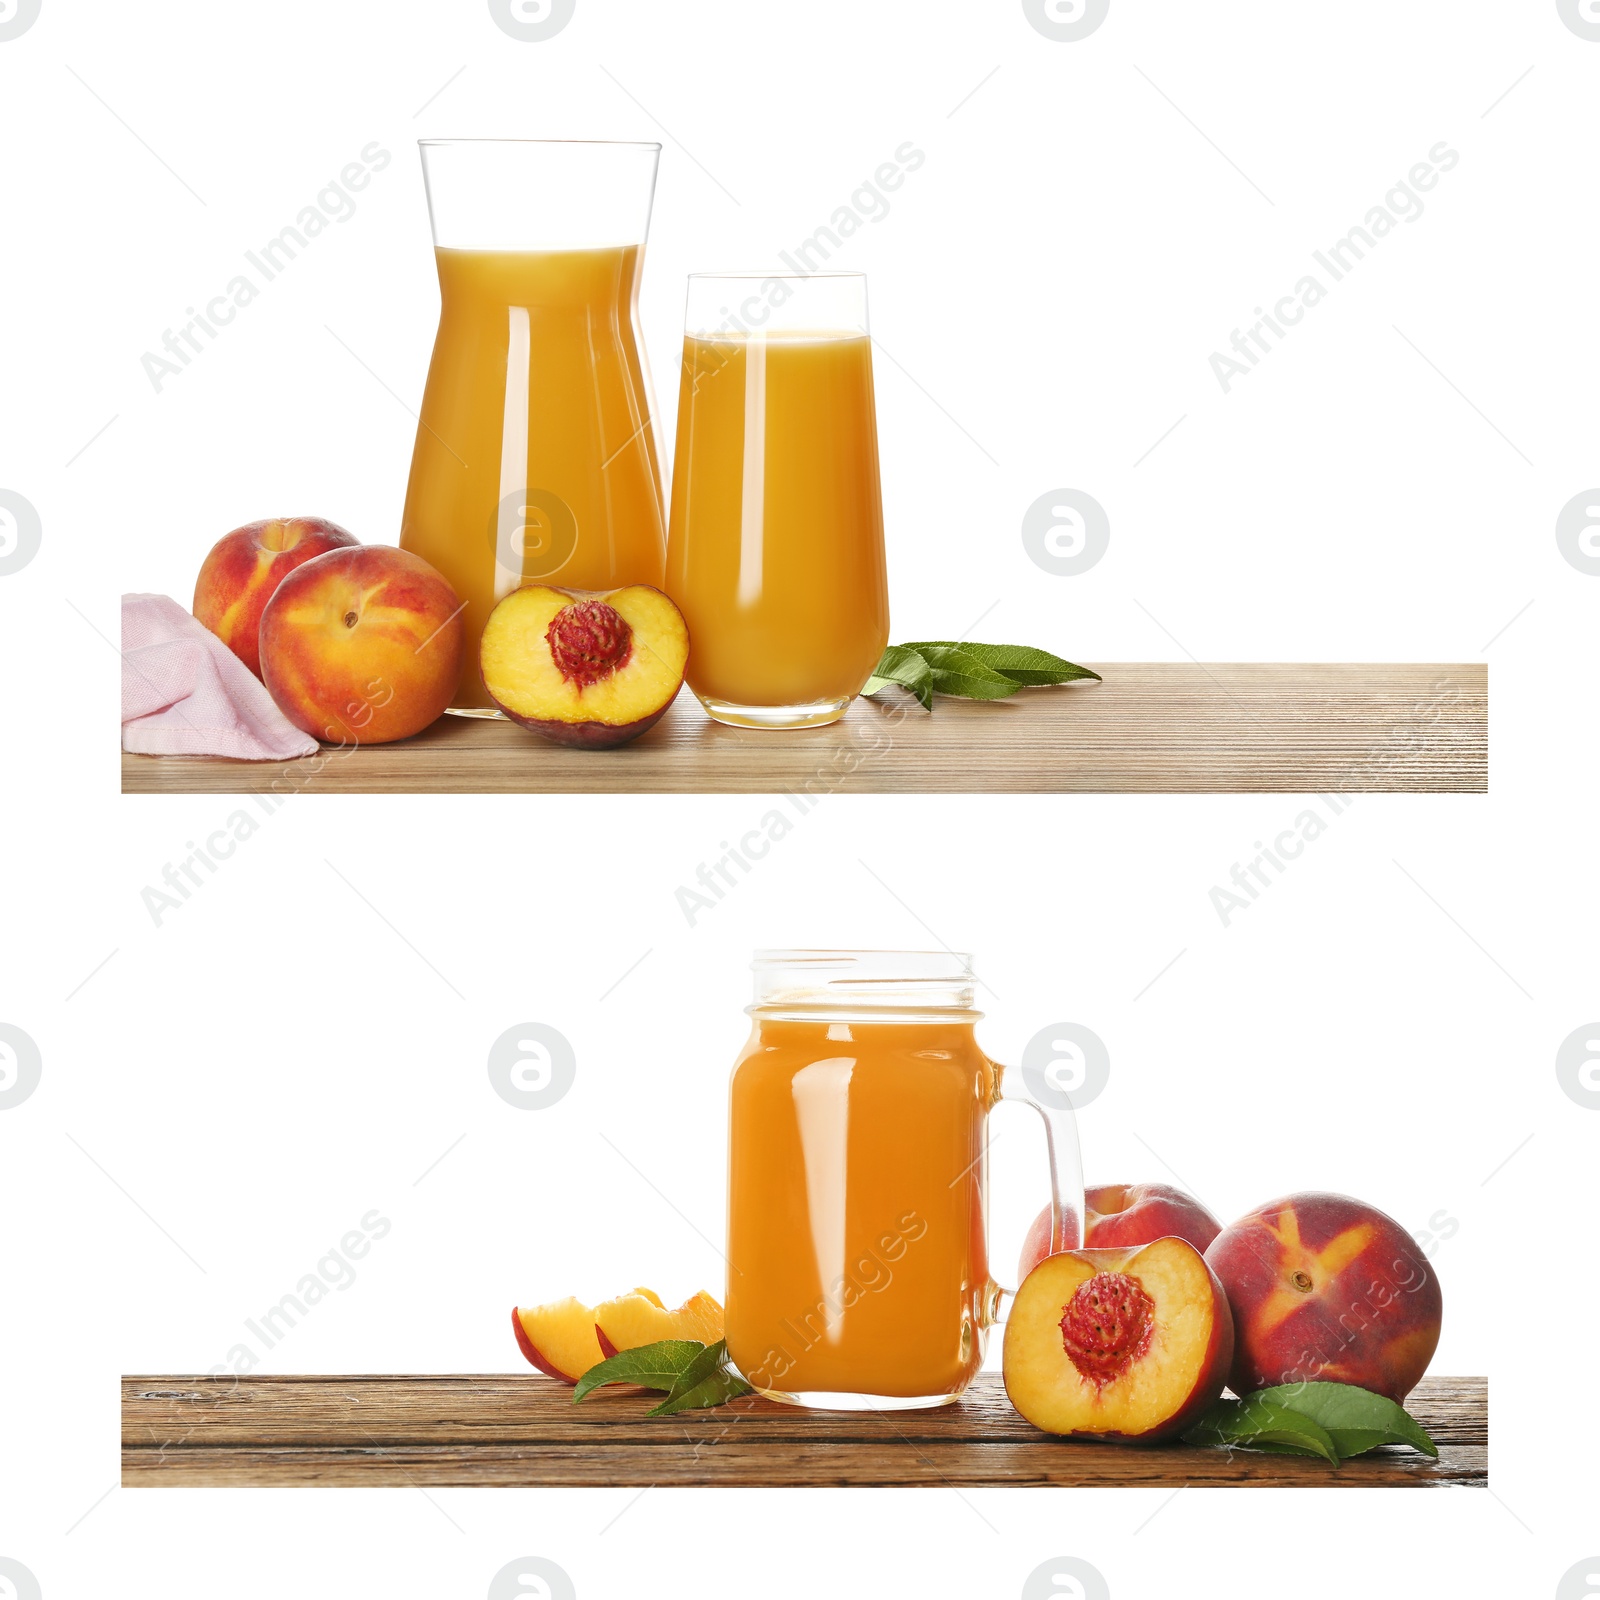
<point x="1150" y="727"/>
<point x="525" y="1430"/>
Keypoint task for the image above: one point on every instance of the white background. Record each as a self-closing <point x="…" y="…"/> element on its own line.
<point x="226" y="1094"/>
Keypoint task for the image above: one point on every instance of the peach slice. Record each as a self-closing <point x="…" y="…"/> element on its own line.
<point x="565" y="1338"/>
<point x="593" y="669"/>
<point x="558" y="1338"/>
<point x="633" y="1320"/>
<point x="1118" y="1344"/>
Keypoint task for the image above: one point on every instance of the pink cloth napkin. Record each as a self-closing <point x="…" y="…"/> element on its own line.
<point x="185" y="693"/>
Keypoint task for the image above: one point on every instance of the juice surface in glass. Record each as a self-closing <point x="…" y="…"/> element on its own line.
<point x="776" y="549"/>
<point x="857" y="1260"/>
<point x="535" y="459"/>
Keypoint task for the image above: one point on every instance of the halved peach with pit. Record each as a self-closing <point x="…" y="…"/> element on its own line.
<point x="584" y="668"/>
<point x="1118" y="1344"/>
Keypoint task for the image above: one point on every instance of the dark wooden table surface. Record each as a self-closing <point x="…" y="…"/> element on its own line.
<point x="525" y="1430"/>
<point x="1151" y="727"/>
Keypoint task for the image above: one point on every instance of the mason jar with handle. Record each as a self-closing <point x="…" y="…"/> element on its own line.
<point x="858" y="1261"/>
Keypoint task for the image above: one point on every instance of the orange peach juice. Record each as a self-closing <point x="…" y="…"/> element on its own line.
<point x="857" y="1262"/>
<point x="776" y="549"/>
<point x="535" y="458"/>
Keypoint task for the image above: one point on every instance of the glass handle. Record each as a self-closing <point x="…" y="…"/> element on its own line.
<point x="1066" y="1178"/>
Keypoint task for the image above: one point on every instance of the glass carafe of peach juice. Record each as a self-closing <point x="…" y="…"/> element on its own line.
<point x="858" y="1273"/>
<point x="536" y="457"/>
<point x="775" y="550"/>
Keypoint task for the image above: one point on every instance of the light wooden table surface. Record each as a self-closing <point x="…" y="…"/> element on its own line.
<point x="524" y="1429"/>
<point x="1150" y="727"/>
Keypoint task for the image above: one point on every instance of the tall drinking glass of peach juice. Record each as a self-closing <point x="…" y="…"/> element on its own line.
<point x="536" y="457"/>
<point x="775" y="549"/>
<point x="858" y="1268"/>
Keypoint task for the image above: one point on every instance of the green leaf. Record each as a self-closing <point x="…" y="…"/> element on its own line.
<point x="957" y="672"/>
<point x="1020" y="662"/>
<point x="705" y="1382"/>
<point x="1258" y="1423"/>
<point x="1357" y="1420"/>
<point x="652" y="1366"/>
<point x="901" y="664"/>
<point x="715" y="1389"/>
<point x="970" y="671"/>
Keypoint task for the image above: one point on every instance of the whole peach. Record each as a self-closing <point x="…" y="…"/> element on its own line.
<point x="1121" y="1215"/>
<point x="1327" y="1288"/>
<point x="362" y="646"/>
<point x="244" y="569"/>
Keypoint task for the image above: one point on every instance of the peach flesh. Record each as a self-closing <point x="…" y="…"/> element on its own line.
<point x="531" y="1352"/>
<point x="627" y="1322"/>
<point x="589" y="641"/>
